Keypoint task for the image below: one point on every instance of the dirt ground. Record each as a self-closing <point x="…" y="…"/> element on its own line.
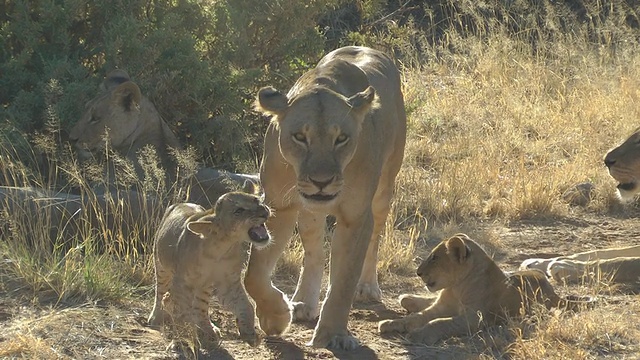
<point x="117" y="331"/>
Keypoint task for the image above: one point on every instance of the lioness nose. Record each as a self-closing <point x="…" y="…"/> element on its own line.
<point x="609" y="161"/>
<point x="321" y="184"/>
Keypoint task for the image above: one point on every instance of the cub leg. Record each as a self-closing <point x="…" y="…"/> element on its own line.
<point x="159" y="315"/>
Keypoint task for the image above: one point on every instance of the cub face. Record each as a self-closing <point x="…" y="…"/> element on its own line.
<point x="240" y="213"/>
<point x="446" y="263"/>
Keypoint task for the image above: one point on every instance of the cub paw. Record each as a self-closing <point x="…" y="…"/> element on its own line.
<point x="251" y="338"/>
<point x="391" y="326"/>
<point x="415" y="303"/>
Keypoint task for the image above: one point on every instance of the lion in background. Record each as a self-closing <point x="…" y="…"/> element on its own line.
<point x="198" y="251"/>
<point x="334" y="146"/>
<point x="474" y="292"/>
<point x="128" y="121"/>
<point x="614" y="265"/>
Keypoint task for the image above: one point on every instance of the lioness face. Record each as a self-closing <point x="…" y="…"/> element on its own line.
<point x="445" y="264"/>
<point x="624" y="166"/>
<point x="318" y="136"/>
<point x="115" y="113"/>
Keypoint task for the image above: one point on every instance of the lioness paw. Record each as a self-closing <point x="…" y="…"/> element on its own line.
<point x="304" y="312"/>
<point x="368" y="292"/>
<point x="343" y="342"/>
<point x="539" y="264"/>
<point x="274" y="321"/>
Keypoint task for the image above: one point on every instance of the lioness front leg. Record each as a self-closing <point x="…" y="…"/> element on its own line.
<point x="368" y="288"/>
<point x="305" y="301"/>
<point x="348" y="250"/>
<point x="272" y="306"/>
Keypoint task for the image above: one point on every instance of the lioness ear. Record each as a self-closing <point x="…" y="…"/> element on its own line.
<point x="362" y="101"/>
<point x="115" y="78"/>
<point x="271" y="101"/>
<point x="127" y="95"/>
<point x="200" y="228"/>
<point x="457" y="249"/>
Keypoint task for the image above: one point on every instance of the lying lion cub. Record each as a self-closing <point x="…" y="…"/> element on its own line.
<point x="474" y="291"/>
<point x="197" y="251"/>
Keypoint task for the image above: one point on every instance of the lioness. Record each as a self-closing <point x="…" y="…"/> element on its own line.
<point x="129" y="118"/>
<point x="616" y="265"/>
<point x="197" y="251"/>
<point x="334" y="146"/>
<point x="474" y="292"/>
<point x="129" y="121"/>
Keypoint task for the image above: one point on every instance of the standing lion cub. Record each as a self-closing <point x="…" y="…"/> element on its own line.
<point x="197" y="251"/>
<point x="474" y="292"/>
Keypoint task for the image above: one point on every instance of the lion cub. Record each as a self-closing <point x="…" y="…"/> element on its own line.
<point x="474" y="291"/>
<point x="197" y="251"/>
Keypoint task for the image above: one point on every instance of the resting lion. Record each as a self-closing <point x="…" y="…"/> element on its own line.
<point x="615" y="265"/>
<point x="131" y="122"/>
<point x="474" y="292"/>
<point x="334" y="146"/>
<point x="197" y="251"/>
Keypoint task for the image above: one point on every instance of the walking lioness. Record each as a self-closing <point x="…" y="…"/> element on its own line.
<point x="334" y="146"/>
<point x="197" y="251"/>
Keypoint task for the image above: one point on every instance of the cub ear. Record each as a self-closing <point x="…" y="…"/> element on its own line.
<point x="271" y="101"/>
<point x="127" y="95"/>
<point x="200" y="228"/>
<point x="363" y="101"/>
<point x="457" y="249"/>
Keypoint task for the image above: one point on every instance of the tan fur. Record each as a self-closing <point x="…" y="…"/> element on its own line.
<point x="129" y="118"/>
<point x="131" y="122"/>
<point x="197" y="251"/>
<point x="334" y="146"/>
<point x="615" y="265"/>
<point x="474" y="292"/>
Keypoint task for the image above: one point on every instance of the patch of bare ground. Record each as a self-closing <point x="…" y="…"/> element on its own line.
<point x="37" y="327"/>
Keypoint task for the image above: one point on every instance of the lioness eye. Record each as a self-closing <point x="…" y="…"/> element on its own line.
<point x="239" y="211"/>
<point x="299" y="137"/>
<point x="341" y="139"/>
<point x="434" y="257"/>
<point x="94" y="119"/>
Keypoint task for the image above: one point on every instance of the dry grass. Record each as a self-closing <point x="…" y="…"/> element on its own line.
<point x="495" y="136"/>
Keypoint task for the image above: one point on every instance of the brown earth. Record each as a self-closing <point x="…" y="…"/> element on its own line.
<point x="34" y="326"/>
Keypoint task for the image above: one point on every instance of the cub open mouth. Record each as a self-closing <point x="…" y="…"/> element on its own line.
<point x="320" y="197"/>
<point x="259" y="234"/>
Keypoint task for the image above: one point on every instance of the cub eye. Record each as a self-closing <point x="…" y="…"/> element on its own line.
<point x="94" y="119"/>
<point x="341" y="139"/>
<point x="434" y="257"/>
<point x="239" y="211"/>
<point x="300" y="138"/>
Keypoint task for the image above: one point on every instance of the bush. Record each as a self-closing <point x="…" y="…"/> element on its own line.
<point x="199" y="62"/>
